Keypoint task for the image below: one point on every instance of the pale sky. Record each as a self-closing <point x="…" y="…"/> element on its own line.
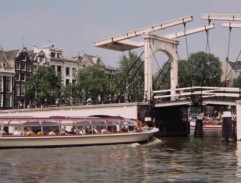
<point x="74" y="25"/>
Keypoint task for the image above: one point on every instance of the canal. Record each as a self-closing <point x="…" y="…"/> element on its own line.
<point x="179" y="159"/>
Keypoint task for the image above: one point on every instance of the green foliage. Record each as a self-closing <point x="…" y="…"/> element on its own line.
<point x="201" y="69"/>
<point x="237" y="82"/>
<point x="91" y="81"/>
<point x="130" y="77"/>
<point x="205" y="69"/>
<point x="44" y="84"/>
<point x="162" y="79"/>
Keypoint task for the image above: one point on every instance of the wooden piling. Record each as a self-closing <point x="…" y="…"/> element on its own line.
<point x="228" y="127"/>
<point x="198" y="132"/>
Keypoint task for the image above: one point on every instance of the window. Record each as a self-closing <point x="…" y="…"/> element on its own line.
<point x="67" y="71"/>
<point x="23" y="66"/>
<point x="1" y="83"/>
<point x="1" y="96"/>
<point x="18" y="76"/>
<point x="67" y="81"/>
<point x="22" y="77"/>
<point x="73" y="81"/>
<point x="29" y="68"/>
<point x="41" y="59"/>
<point x="24" y="58"/>
<point x="17" y="66"/>
<point x="59" y="70"/>
<point x="22" y="90"/>
<point x="52" y="54"/>
<point x="8" y="84"/>
<point x="73" y="71"/>
<point x="17" y="90"/>
<point x="28" y="77"/>
<point x="7" y="102"/>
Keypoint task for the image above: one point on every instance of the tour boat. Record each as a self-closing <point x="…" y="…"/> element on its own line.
<point x="208" y="123"/>
<point x="24" y="132"/>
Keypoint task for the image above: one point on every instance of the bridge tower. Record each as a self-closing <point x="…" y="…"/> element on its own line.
<point x="151" y="44"/>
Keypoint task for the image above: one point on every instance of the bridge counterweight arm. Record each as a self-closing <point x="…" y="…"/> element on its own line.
<point x="190" y="31"/>
<point x="232" y="25"/>
<point x="142" y="31"/>
<point x="225" y="17"/>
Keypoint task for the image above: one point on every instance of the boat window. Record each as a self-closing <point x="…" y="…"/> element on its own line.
<point x="98" y="125"/>
<point x="50" y="126"/>
<point x="34" y="125"/>
<point x="67" y="126"/>
<point x="83" y="123"/>
<point x="113" y="126"/>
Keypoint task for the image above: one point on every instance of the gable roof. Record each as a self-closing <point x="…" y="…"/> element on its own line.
<point x="3" y="57"/>
<point x="236" y="66"/>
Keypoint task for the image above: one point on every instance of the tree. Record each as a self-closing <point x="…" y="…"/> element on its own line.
<point x="237" y="82"/>
<point x="91" y="81"/>
<point x="44" y="84"/>
<point x="130" y="77"/>
<point x="205" y="69"/>
<point x="201" y="69"/>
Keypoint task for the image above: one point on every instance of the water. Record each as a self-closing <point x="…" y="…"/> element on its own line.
<point x="182" y="159"/>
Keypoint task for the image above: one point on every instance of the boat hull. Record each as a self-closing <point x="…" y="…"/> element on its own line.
<point x="75" y="140"/>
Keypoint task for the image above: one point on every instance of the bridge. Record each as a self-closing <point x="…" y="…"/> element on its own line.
<point x="198" y="95"/>
<point x="174" y="97"/>
<point x="167" y="104"/>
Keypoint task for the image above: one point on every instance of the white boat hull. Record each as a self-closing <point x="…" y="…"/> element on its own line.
<point x="75" y="140"/>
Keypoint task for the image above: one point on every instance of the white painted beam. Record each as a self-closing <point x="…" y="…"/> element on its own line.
<point x="225" y="17"/>
<point x="231" y="25"/>
<point x="143" y="31"/>
<point x="189" y="31"/>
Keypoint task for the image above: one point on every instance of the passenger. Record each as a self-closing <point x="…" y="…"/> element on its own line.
<point x="62" y="131"/>
<point x="29" y="132"/>
<point x="94" y="131"/>
<point x="39" y="133"/>
<point x="3" y="132"/>
<point x="53" y="132"/>
<point x="103" y="131"/>
<point x="124" y="127"/>
<point x="18" y="132"/>
<point x="87" y="130"/>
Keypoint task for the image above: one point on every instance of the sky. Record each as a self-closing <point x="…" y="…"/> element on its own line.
<point x="75" y="25"/>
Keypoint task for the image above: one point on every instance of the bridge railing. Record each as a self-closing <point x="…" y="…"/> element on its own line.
<point x="201" y="91"/>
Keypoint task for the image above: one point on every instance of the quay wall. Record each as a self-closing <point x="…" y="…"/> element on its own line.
<point x="238" y="119"/>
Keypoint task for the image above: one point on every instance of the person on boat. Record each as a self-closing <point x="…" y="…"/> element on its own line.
<point x="29" y="132"/>
<point x="39" y="133"/>
<point x="18" y="132"/>
<point x="124" y="127"/>
<point x="62" y="131"/>
<point x="103" y="131"/>
<point x="53" y="132"/>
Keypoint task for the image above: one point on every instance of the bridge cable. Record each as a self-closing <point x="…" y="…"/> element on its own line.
<point x="227" y="58"/>
<point x="160" y="73"/>
<point x="188" y="61"/>
<point x="233" y="65"/>
<point x="124" y="78"/>
<point x="159" y="68"/>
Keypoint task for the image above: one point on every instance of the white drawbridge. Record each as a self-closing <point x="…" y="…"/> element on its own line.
<point x="152" y="43"/>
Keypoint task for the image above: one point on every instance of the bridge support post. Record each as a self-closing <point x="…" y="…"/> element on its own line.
<point x="228" y="127"/>
<point x="198" y="132"/>
<point x="155" y="43"/>
<point x="238" y="119"/>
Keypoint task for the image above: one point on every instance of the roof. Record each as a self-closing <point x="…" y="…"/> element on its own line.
<point x="3" y="57"/>
<point x="235" y="65"/>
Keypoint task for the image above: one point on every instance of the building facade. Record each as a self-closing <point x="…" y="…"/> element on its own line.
<point x="7" y="75"/>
